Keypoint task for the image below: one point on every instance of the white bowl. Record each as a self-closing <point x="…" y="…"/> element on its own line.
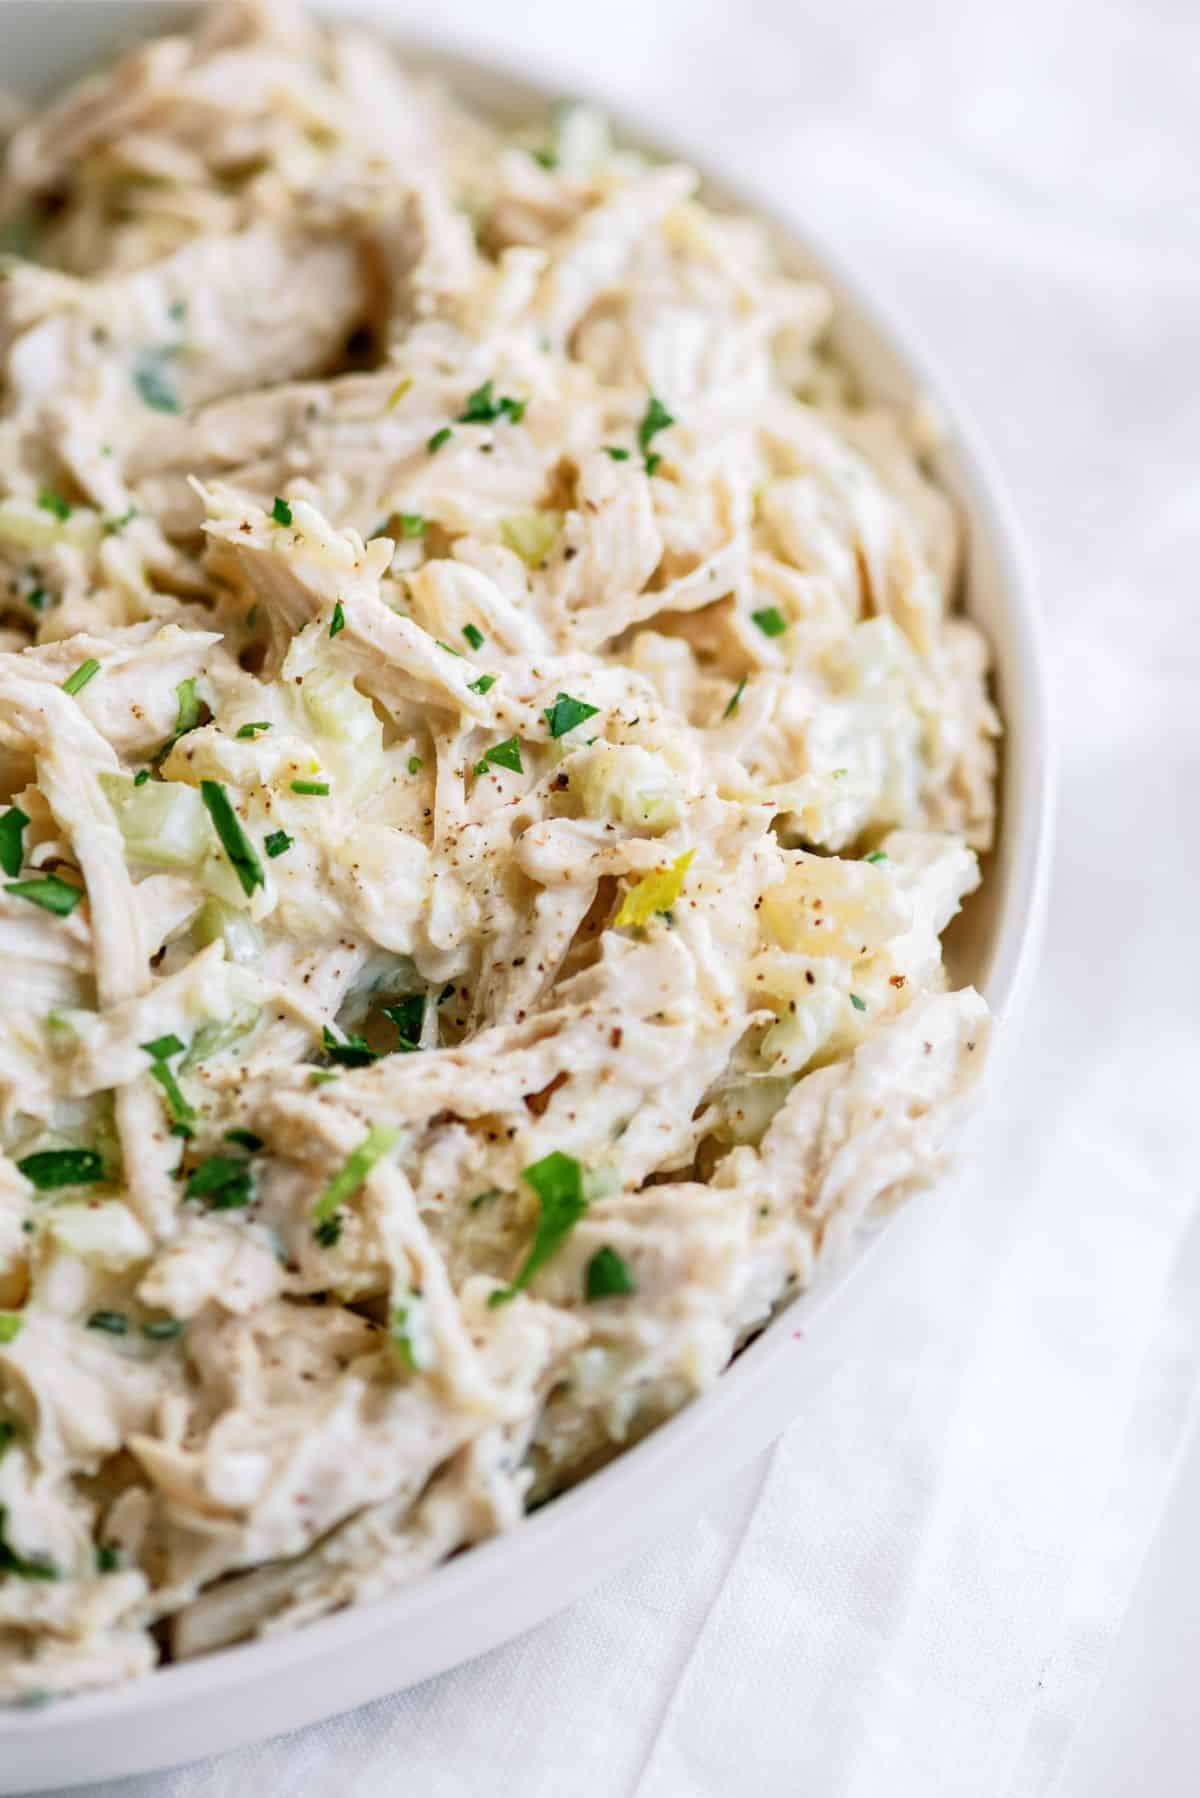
<point x="505" y="1586"/>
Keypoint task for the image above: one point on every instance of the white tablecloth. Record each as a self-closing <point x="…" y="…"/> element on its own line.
<point x="914" y="1593"/>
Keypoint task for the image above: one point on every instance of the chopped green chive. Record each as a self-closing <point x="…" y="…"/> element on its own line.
<point x="354" y="1170"/>
<point x="474" y="635"/>
<point x="224" y="1182"/>
<point x="566" y="713"/>
<point x="413" y="524"/>
<point x="234" y="840"/>
<point x="108" y="1558"/>
<point x="113" y="1323"/>
<point x="245" y="1139"/>
<point x="76" y="682"/>
<point x="415" y="764"/>
<point x="545" y="159"/>
<point x="354" y="1052"/>
<point x="12" y="832"/>
<point x="734" y="703"/>
<point x="162" y="1329"/>
<point x="503" y="755"/>
<point x="141" y="777"/>
<point x="338" y="621"/>
<point x="858" y="1004"/>
<point x="251" y="730"/>
<point x="617" y="453"/>
<point x="439" y="437"/>
<point x="484" y="408"/>
<point x="608" y="1276"/>
<point x="876" y="855"/>
<point x="484" y="684"/>
<point x="187" y="717"/>
<point x="281" y="512"/>
<point x="652" y="462"/>
<point x="557" y="1180"/>
<point x="449" y="649"/>
<point x="163" y="1047"/>
<point x="770" y="621"/>
<point x="10" y="1325"/>
<point x="49" y="1169"/>
<point x="313" y="789"/>
<point x="408" y="1015"/>
<point x="48" y="891"/>
<point x="277" y="843"/>
<point x="49" y="501"/>
<point x="180" y="1111"/>
<point x="329" y="1233"/>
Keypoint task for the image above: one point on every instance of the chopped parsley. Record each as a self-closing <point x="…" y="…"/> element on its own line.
<point x="484" y="684"/>
<point x="224" y="1182"/>
<point x="566" y="713"/>
<point x="12" y="832"/>
<point x="502" y="755"/>
<point x="50" y="501"/>
<point x="49" y="1169"/>
<point x="408" y="1015"/>
<point x="483" y="408"/>
<point x="656" y="892"/>
<point x="617" y="453"/>
<point x="413" y="524"/>
<point x="656" y="418"/>
<point x="329" y="1233"/>
<point x="113" y="1323"/>
<point x="876" y="855"/>
<point x="108" y="1558"/>
<point x="23" y="1567"/>
<point x="76" y="682"/>
<point x="277" y="843"/>
<point x="338" y="621"/>
<point x="439" y="437"/>
<point x="313" y="789"/>
<point x="245" y="1139"/>
<point x="734" y="703"/>
<point x="281" y="512"/>
<point x="234" y="841"/>
<point x="162" y="1329"/>
<point x="474" y="635"/>
<point x="557" y="1179"/>
<point x="354" y="1170"/>
<point x="141" y="777"/>
<point x="858" y="1004"/>
<point x="608" y="1276"/>
<point x="415" y="764"/>
<point x="151" y="377"/>
<point x="354" y="1052"/>
<point x="770" y="621"/>
<point x="48" y="891"/>
<point x="252" y="730"/>
<point x="10" y="1325"/>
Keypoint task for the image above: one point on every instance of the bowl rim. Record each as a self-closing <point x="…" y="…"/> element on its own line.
<point x="750" y="1403"/>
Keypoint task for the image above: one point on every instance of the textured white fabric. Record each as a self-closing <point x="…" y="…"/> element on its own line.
<point x="913" y="1595"/>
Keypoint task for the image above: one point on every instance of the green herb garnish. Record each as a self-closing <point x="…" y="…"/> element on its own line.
<point x="354" y="1170"/>
<point x="415" y="764"/>
<point x="245" y="1139"/>
<point x="50" y="501"/>
<point x="162" y="1329"/>
<point x="439" y="437"/>
<point x="329" y="1233"/>
<point x="876" y="855"/>
<point x="338" y="621"/>
<point x="10" y="1325"/>
<point x="483" y="408"/>
<point x="48" y="891"/>
<point x="617" y="453"/>
<point x="557" y="1180"/>
<point x="224" y="1182"/>
<point x="474" y="635"/>
<point x="608" y="1276"/>
<point x="412" y="524"/>
<point x="277" y="843"/>
<point x="281" y="512"/>
<point x="141" y="777"/>
<point x="354" y="1052"/>
<point x="76" y="682"/>
<point x="484" y="684"/>
<point x="502" y="755"/>
<point x="108" y="1558"/>
<point x="12" y="831"/>
<point x="858" y="1004"/>
<point x="656" y="418"/>
<point x="770" y="621"/>
<point x="49" y="1169"/>
<point x="251" y="730"/>
<point x="408" y="1015"/>
<point x="234" y="840"/>
<point x="113" y="1323"/>
<point x="566" y="713"/>
<point x="545" y="159"/>
<point x="313" y="789"/>
<point x="163" y="1047"/>
<point x="734" y="703"/>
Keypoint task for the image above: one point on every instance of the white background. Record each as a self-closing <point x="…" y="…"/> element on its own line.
<point x="918" y="1591"/>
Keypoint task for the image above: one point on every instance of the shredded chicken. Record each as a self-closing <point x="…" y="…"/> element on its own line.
<point x="486" y="762"/>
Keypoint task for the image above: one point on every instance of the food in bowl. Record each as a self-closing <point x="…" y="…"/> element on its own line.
<point x="487" y="757"/>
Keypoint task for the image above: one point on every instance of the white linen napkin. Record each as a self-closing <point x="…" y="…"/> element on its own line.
<point x="913" y="1594"/>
